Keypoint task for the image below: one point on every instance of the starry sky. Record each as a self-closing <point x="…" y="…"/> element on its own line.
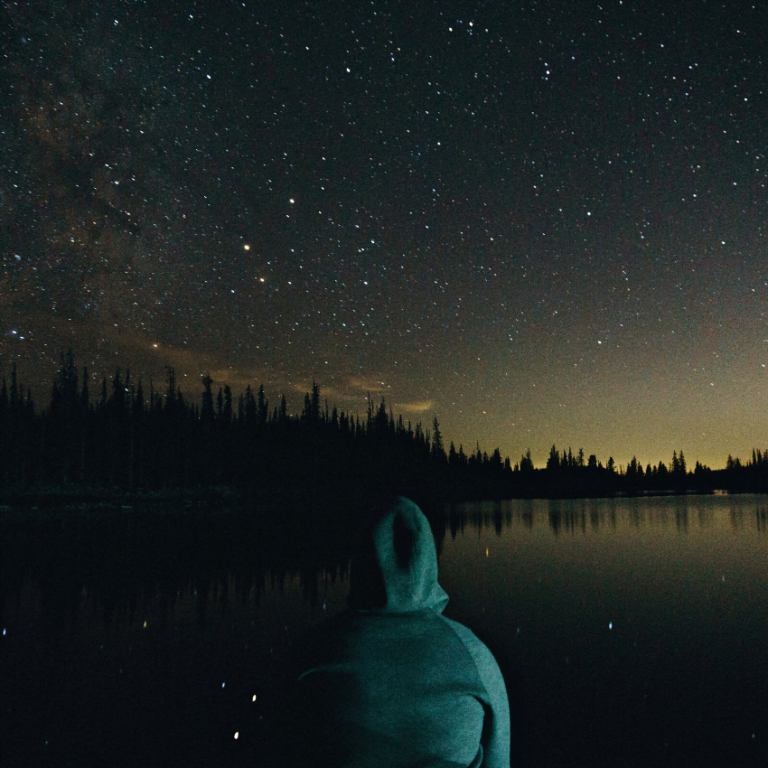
<point x="541" y="222"/>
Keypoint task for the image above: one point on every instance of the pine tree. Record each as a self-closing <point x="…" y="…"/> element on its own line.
<point x="262" y="406"/>
<point x="227" y="411"/>
<point x="553" y="462"/>
<point x="381" y="420"/>
<point x="14" y="388"/>
<point x="437" y="441"/>
<point x="526" y="462"/>
<point x="250" y="407"/>
<point x="84" y="391"/>
<point x="315" y="403"/>
<point x="206" y="411"/>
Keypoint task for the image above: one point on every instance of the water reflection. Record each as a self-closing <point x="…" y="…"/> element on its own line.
<point x="642" y="619"/>
<point x="580" y="515"/>
<point x="116" y="566"/>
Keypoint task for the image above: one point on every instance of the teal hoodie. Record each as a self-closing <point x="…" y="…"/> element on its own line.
<point x="390" y="681"/>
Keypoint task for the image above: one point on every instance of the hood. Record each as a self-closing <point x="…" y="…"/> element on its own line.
<point x="394" y="567"/>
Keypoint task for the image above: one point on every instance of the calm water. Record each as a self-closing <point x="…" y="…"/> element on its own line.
<point x="630" y="632"/>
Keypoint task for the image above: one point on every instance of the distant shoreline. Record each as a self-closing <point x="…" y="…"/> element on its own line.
<point x="93" y="499"/>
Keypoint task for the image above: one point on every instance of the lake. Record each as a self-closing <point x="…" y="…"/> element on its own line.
<point x="630" y="632"/>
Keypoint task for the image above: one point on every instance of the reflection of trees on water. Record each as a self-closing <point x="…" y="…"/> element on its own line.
<point x="118" y="566"/>
<point x="478" y="515"/>
<point x="589" y="514"/>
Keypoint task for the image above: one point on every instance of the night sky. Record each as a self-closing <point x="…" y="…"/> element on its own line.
<point x="541" y="222"/>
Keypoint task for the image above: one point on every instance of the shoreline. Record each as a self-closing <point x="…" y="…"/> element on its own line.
<point x="85" y="499"/>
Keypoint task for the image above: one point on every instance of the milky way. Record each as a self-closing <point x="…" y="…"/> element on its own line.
<point x="543" y="223"/>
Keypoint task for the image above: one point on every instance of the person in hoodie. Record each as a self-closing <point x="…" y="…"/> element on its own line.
<point x="390" y="681"/>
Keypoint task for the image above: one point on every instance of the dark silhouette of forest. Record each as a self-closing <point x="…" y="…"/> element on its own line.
<point x="130" y="440"/>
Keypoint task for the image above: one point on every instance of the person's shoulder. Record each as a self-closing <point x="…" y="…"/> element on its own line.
<point x="465" y="634"/>
<point x="481" y="655"/>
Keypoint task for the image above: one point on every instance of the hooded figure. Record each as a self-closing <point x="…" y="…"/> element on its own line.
<point x="391" y="681"/>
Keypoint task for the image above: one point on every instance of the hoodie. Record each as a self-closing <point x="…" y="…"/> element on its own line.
<point x="390" y="681"/>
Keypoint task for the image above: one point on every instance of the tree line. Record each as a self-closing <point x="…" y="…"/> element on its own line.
<point x="129" y="439"/>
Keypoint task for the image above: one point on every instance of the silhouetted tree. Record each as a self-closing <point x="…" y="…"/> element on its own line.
<point x="315" y="403"/>
<point x="206" y="411"/>
<point x="437" y="441"/>
<point x="262" y="406"/>
<point x="632" y="471"/>
<point x="553" y="462"/>
<point x="227" y="411"/>
<point x="169" y="442"/>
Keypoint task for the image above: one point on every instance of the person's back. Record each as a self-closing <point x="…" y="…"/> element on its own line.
<point x="390" y="681"/>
